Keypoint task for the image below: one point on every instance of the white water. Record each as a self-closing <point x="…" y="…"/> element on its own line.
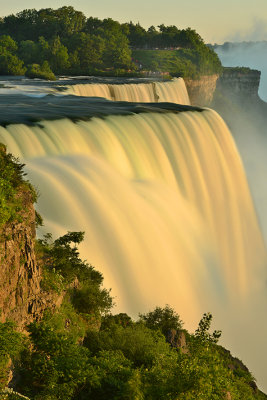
<point x="173" y="91"/>
<point x="167" y="212"/>
<point x="163" y="200"/>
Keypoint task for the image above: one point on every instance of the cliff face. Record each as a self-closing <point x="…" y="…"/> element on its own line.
<point x="19" y="273"/>
<point x="236" y="99"/>
<point x="22" y="299"/>
<point x="201" y="90"/>
<point x="240" y="84"/>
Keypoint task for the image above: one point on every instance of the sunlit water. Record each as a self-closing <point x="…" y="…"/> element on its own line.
<point x="173" y="91"/>
<point x="167" y="212"/>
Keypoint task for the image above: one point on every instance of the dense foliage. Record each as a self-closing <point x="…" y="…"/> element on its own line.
<point x="12" y="187"/>
<point x="81" y="351"/>
<point x="40" y="71"/>
<point x="11" y="343"/>
<point x="72" y="44"/>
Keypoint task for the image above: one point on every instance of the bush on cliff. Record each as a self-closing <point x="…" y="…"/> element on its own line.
<point x="12" y="187"/>
<point x="42" y="72"/>
<point x="62" y="266"/>
<point x="11" y="344"/>
<point x="162" y="319"/>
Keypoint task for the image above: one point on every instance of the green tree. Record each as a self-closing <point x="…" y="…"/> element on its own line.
<point x="58" y="57"/>
<point x="169" y="35"/>
<point x="117" y="378"/>
<point x="189" y="38"/>
<point x="10" y="64"/>
<point x="63" y="256"/>
<point x="92" y="25"/>
<point x="137" y="35"/>
<point x="30" y="24"/>
<point x="28" y="52"/>
<point x="86" y="52"/>
<point x="8" y="44"/>
<point x="11" y="184"/>
<point x="153" y="37"/>
<point x="70" y="21"/>
<point x="168" y="377"/>
<point x="22" y="26"/>
<point x="42" y="72"/>
<point x="162" y="319"/>
<point x="202" y="332"/>
<point x="55" y="366"/>
<point x="43" y="50"/>
<point x="121" y="319"/>
<point x="139" y="344"/>
<point x="117" y="53"/>
<point x="63" y="266"/>
<point x="90" y="300"/>
<point x="11" y="344"/>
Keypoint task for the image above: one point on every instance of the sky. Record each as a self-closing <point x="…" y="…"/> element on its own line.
<point x="215" y="20"/>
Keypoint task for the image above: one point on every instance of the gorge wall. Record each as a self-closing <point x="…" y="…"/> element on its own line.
<point x="22" y="299"/>
<point x="201" y="90"/>
<point x="236" y="83"/>
<point x="239" y="83"/>
<point x="19" y="273"/>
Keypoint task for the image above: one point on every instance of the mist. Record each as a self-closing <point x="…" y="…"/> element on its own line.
<point x="251" y="139"/>
<point x="246" y="54"/>
<point x="246" y="117"/>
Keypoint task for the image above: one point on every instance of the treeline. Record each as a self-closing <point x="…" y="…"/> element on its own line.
<point x="69" y="43"/>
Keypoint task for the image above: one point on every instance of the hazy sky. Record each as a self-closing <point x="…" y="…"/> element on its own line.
<point x="214" y="20"/>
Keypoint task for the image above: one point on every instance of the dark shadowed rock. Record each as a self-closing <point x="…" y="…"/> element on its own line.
<point x="177" y="339"/>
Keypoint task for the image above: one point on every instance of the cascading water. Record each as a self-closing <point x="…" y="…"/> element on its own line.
<point x="90" y="90"/>
<point x="173" y="91"/>
<point x="166" y="208"/>
<point x="162" y="197"/>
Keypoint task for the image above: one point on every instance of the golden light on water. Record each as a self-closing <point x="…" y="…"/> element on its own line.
<point x="173" y="91"/>
<point x="165" y="204"/>
<point x="163" y="199"/>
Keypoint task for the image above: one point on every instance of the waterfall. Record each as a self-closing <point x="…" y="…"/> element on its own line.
<point x="167" y="212"/>
<point x="163" y="200"/>
<point x="173" y="91"/>
<point x="90" y="90"/>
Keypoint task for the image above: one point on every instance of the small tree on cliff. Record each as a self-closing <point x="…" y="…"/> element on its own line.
<point x="162" y="319"/>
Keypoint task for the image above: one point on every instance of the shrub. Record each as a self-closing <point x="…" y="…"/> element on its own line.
<point x="42" y="72"/>
<point x="12" y="184"/>
<point x="162" y="319"/>
<point x="11" y="343"/>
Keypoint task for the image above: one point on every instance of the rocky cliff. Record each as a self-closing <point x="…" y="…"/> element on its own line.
<point x="201" y="90"/>
<point x="239" y="83"/>
<point x="19" y="273"/>
<point x="236" y="99"/>
<point x="22" y="299"/>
